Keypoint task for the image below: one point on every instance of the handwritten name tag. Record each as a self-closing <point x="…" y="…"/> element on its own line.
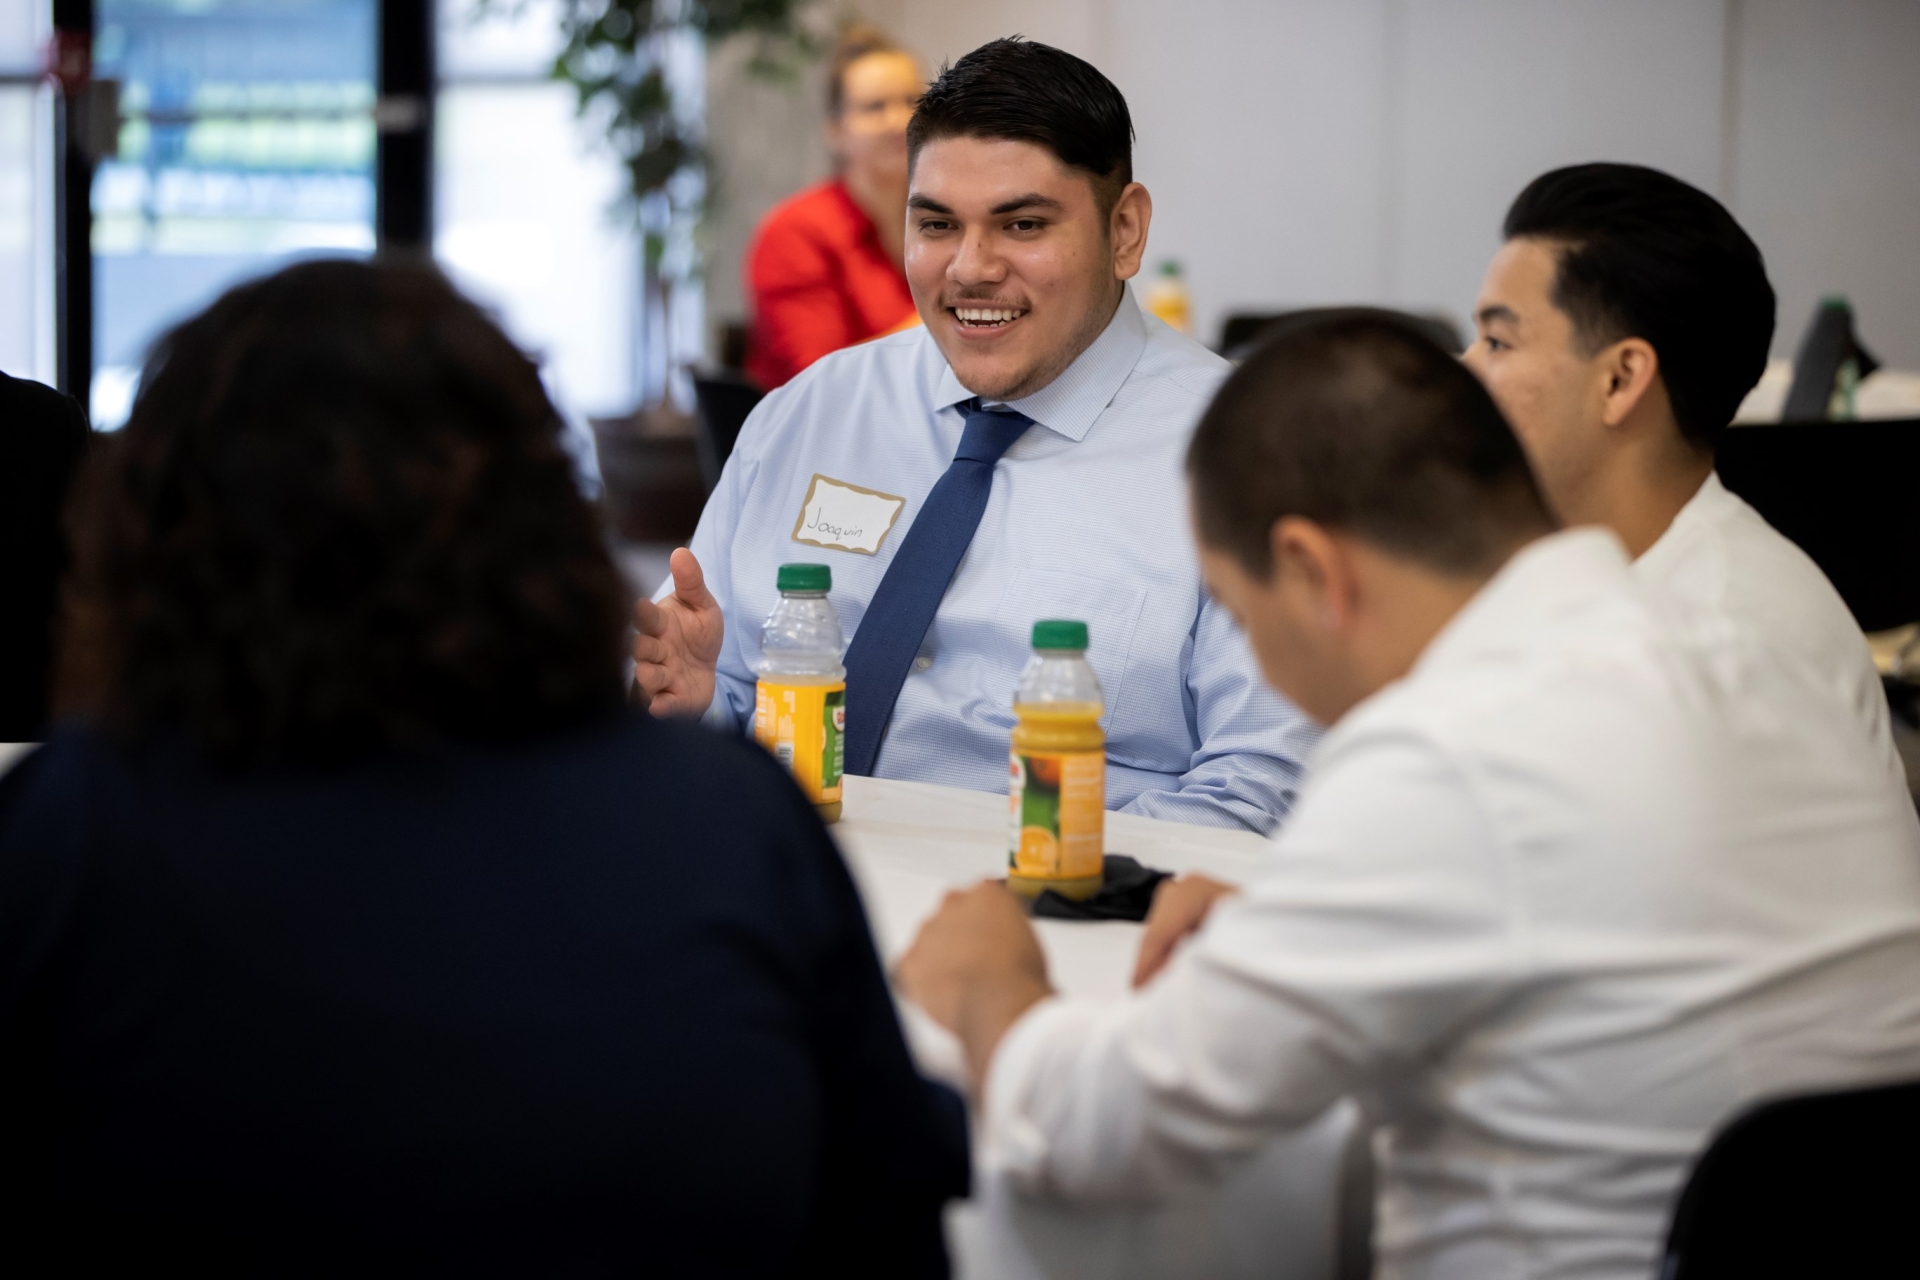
<point x="846" y="517"/>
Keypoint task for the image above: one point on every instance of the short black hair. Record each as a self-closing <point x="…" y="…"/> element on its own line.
<point x="1366" y="426"/>
<point x="1030" y="92"/>
<point x="1642" y="254"/>
<point x="340" y="519"/>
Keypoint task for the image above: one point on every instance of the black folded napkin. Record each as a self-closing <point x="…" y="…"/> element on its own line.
<point x="1126" y="895"/>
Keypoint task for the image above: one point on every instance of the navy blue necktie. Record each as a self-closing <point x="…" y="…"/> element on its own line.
<point x="909" y="595"/>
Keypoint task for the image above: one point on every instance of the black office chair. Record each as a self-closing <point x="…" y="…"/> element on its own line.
<point x="723" y="399"/>
<point x="1821" y="1185"/>
<point x="1242" y="333"/>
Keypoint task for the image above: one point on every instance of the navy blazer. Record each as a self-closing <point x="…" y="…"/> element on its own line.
<point x="605" y="1003"/>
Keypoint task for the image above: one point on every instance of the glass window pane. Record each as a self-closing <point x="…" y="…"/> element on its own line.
<point x="525" y="217"/>
<point x="248" y="141"/>
<point x="24" y="28"/>
<point x="26" y="231"/>
<point x="26" y="193"/>
<point x="479" y="40"/>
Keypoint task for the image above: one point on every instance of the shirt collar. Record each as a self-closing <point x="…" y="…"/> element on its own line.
<point x="1707" y="502"/>
<point x="1543" y="578"/>
<point x="1069" y="404"/>
<point x="1705" y="507"/>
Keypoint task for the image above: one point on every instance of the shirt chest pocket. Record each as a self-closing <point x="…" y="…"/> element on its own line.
<point x="1110" y="607"/>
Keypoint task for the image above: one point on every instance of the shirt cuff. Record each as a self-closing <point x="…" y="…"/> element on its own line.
<point x="1011" y="1138"/>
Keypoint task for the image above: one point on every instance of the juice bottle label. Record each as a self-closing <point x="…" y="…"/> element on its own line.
<point x="804" y="725"/>
<point x="1057" y="803"/>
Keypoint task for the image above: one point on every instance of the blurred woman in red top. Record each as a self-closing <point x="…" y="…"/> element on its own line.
<point x="824" y="268"/>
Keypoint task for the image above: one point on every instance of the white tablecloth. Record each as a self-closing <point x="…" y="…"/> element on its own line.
<point x="1275" y="1218"/>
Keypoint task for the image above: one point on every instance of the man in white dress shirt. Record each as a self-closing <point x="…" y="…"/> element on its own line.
<point x="1553" y="901"/>
<point x="1017" y="457"/>
<point x="1620" y="326"/>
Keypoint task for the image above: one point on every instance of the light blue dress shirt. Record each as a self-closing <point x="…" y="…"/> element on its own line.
<point x="1087" y="520"/>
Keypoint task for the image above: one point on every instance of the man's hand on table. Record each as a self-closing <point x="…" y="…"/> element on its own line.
<point x="676" y="644"/>
<point x="975" y="967"/>
<point x="1180" y="907"/>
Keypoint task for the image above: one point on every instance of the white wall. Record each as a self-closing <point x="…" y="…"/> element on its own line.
<point x="1316" y="151"/>
<point x="1497" y="92"/>
<point x="1825" y="160"/>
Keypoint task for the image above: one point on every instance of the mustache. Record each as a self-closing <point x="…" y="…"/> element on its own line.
<point x="987" y="300"/>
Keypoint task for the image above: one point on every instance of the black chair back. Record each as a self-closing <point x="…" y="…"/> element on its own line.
<point x="1845" y="493"/>
<point x="1242" y="333"/>
<point x="1820" y="1185"/>
<point x="722" y="400"/>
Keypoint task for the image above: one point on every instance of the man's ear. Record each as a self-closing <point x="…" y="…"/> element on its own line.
<point x="1630" y="368"/>
<point x="1311" y="565"/>
<point x="1127" y="230"/>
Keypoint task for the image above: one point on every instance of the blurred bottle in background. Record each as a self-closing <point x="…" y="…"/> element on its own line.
<point x="1167" y="297"/>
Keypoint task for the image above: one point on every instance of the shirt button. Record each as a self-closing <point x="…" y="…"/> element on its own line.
<point x="923" y="663"/>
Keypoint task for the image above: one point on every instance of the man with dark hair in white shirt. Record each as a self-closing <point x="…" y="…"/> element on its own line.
<point x="1557" y="899"/>
<point x="1620" y="326"/>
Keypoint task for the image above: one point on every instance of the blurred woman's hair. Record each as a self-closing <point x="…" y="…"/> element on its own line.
<point x="857" y="40"/>
<point x="339" y="520"/>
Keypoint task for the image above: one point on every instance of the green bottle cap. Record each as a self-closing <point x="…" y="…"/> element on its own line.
<point x="805" y="577"/>
<point x="1055" y="633"/>
<point x="1835" y="302"/>
<point x="1169" y="268"/>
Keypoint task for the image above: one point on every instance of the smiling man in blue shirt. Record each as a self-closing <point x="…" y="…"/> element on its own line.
<point x="1017" y="458"/>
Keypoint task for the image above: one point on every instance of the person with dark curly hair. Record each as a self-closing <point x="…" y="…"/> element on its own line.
<point x="327" y="938"/>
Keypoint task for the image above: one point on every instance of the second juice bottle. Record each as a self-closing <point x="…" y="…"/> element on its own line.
<point x="1057" y="792"/>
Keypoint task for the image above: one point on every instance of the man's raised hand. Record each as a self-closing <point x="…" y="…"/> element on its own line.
<point x="676" y="643"/>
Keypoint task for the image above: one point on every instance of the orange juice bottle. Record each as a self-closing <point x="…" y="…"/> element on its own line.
<point x="800" y="706"/>
<point x="1057" y="792"/>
